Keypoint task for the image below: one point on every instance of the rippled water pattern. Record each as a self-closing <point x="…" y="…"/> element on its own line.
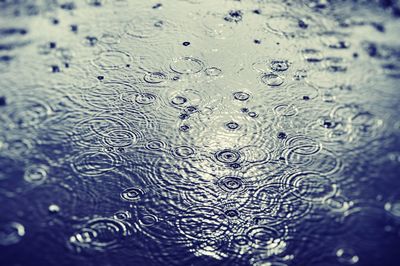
<point x="199" y="132"/>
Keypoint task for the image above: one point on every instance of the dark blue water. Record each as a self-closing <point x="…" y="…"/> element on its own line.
<point x="199" y="132"/>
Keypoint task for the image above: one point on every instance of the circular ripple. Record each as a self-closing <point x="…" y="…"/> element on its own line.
<point x="121" y="138"/>
<point x="26" y="112"/>
<point x="156" y="145"/>
<point x="132" y="194"/>
<point x="311" y="186"/>
<point x="155" y="77"/>
<point x="213" y="71"/>
<point x="241" y="96"/>
<point x="279" y="65"/>
<point x="303" y="91"/>
<point x="95" y="163"/>
<point x="100" y="234"/>
<point x="272" y="79"/>
<point x="231" y="184"/>
<point x="36" y="174"/>
<point x="145" y="98"/>
<point x="203" y="223"/>
<point x="146" y="26"/>
<point x="227" y="156"/>
<point x="183" y="151"/>
<point x="112" y="60"/>
<point x="187" y="65"/>
<point x="303" y="145"/>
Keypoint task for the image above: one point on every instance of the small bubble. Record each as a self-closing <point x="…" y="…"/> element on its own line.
<point x="158" y="5"/>
<point x="186" y="43"/>
<point x="178" y="100"/>
<point x="3" y="101"/>
<point x="232" y="125"/>
<point x="282" y="135"/>
<point x="234" y="16"/>
<point x="306" y="98"/>
<point x="279" y="65"/>
<point x="52" y="45"/>
<point x="100" y="77"/>
<point x="184" y="128"/>
<point x="347" y="256"/>
<point x="74" y="28"/>
<point x="232" y="213"/>
<point x="257" y="11"/>
<point x="53" y="208"/>
<point x="302" y="24"/>
<point x="55" y="69"/>
<point x="241" y="96"/>
<point x="256" y="41"/>
<point x="244" y="110"/>
<point x="253" y="114"/>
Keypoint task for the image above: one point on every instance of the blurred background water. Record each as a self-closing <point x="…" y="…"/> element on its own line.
<point x="199" y="132"/>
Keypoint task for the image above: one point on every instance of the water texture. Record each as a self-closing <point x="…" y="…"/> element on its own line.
<point x="199" y="132"/>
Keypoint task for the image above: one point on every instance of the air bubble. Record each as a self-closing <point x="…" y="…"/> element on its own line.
<point x="241" y="96"/>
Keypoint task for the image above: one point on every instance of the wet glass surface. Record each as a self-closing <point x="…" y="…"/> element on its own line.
<point x="199" y="132"/>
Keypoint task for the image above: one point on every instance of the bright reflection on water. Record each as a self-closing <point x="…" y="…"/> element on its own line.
<point x="195" y="132"/>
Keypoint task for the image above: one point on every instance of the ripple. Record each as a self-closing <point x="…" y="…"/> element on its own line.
<point x="272" y="79"/>
<point x="156" y="77"/>
<point x="36" y="174"/>
<point x="94" y="163"/>
<point x="90" y="131"/>
<point x="241" y="96"/>
<point x="132" y="194"/>
<point x="303" y="91"/>
<point x="227" y="156"/>
<point x="122" y="138"/>
<point x="100" y="234"/>
<point x="26" y="112"/>
<point x="292" y="25"/>
<point x="203" y="223"/>
<point x="110" y="60"/>
<point x="266" y="237"/>
<point x="146" y="26"/>
<point x="231" y="184"/>
<point x="11" y="233"/>
<point x="311" y="186"/>
<point x="156" y="145"/>
<point x="187" y="65"/>
<point x="215" y="26"/>
<point x="213" y="71"/>
<point x="279" y="65"/>
<point x="183" y="151"/>
<point x="303" y="145"/>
